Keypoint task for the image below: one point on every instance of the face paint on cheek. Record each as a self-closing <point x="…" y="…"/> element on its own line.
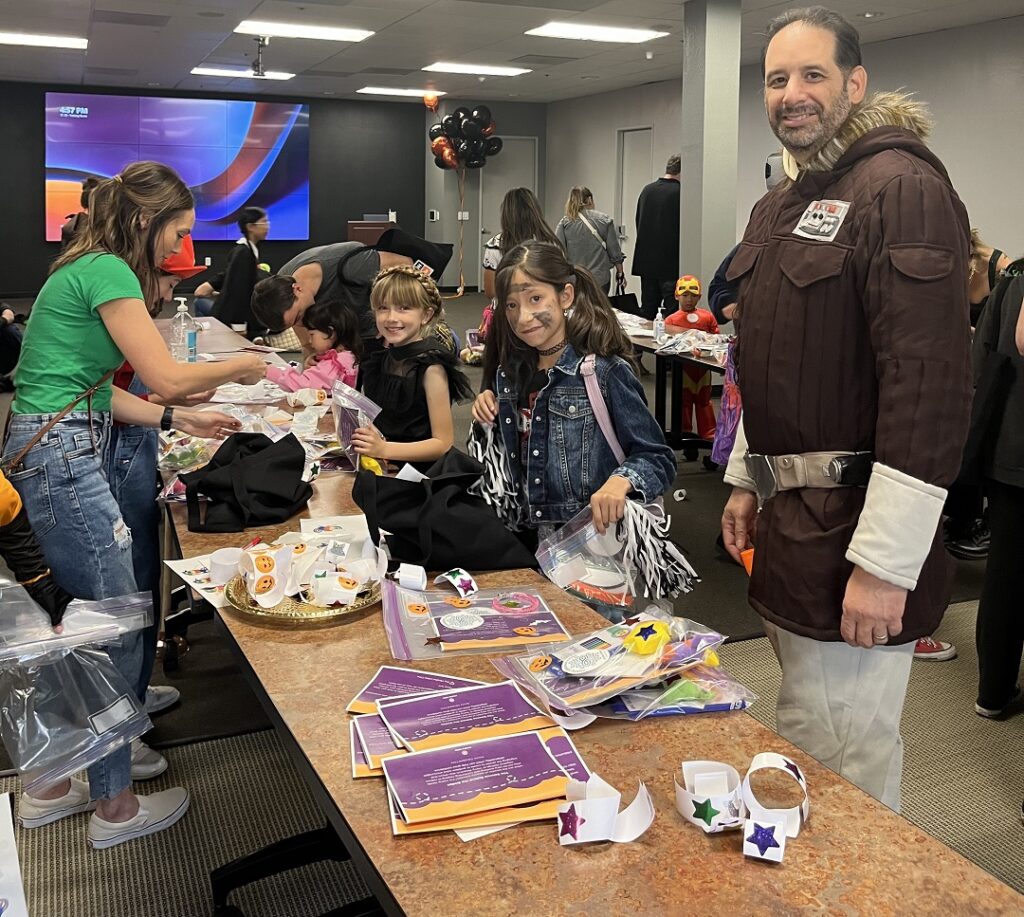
<point x="545" y="319"/>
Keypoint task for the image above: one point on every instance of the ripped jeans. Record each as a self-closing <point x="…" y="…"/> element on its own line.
<point x="62" y="483"/>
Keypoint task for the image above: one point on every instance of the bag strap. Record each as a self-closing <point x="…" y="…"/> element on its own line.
<point x="597" y="403"/>
<point x="993" y="270"/>
<point x="594" y="232"/>
<point x="56" y="419"/>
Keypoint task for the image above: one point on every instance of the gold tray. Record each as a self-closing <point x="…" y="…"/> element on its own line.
<point x="291" y="612"/>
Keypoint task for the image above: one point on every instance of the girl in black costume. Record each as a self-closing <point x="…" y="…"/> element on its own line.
<point x="414" y="378"/>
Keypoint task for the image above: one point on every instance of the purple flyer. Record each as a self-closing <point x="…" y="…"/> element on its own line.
<point x="375" y="739"/>
<point x="392" y="681"/>
<point x="360" y="763"/>
<point x="461" y="629"/>
<point x="463" y="715"/>
<point x="476" y="777"/>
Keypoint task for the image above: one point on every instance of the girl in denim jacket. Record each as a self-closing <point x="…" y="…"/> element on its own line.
<point x="550" y="316"/>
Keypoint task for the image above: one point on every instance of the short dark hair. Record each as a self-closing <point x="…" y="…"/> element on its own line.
<point x="673" y="165"/>
<point x="91" y="182"/>
<point x="250" y="215"/>
<point x="271" y="298"/>
<point x="847" y="50"/>
<point x="332" y="318"/>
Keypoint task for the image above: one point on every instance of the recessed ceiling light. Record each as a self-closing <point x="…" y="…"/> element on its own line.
<point x="43" y="41"/>
<point x="291" y="30"/>
<point x="241" y="74"/>
<point x="871" y="15"/>
<point x="386" y="91"/>
<point x="579" y="32"/>
<point x="152" y="84"/>
<point x="481" y="69"/>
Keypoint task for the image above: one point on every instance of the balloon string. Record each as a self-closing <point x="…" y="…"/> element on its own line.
<point x="461" y="173"/>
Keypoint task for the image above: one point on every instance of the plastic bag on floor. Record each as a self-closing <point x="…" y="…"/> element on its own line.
<point x="63" y="703"/>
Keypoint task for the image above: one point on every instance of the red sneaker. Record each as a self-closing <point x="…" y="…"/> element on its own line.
<point x="937" y="650"/>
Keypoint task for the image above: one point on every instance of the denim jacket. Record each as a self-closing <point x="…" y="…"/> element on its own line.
<point x="568" y="458"/>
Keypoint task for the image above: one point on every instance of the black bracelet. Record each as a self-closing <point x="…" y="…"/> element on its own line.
<point x="165" y="421"/>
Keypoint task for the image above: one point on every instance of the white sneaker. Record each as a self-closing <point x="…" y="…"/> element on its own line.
<point x="146" y="763"/>
<point x="160" y="697"/>
<point x="156" y="812"/>
<point x="33" y="813"/>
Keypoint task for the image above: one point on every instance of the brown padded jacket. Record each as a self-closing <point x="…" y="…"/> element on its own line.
<point x="856" y="339"/>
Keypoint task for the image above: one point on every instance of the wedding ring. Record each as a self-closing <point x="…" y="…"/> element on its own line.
<point x="881" y="639"/>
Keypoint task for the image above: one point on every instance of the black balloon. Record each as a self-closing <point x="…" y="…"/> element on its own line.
<point x="463" y="149"/>
<point x="475" y="163"/>
<point x="482" y="114"/>
<point x="436" y="130"/>
<point x="451" y="126"/>
<point x="460" y="113"/>
<point x="477" y="148"/>
<point x="471" y="129"/>
<point x="492" y="146"/>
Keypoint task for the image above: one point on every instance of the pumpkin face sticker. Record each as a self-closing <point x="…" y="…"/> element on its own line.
<point x="539" y="663"/>
<point x="417" y="609"/>
<point x="264" y="584"/>
<point x="347" y="583"/>
<point x="457" y="602"/>
<point x="264" y="563"/>
<point x="525" y="631"/>
<point x="299" y="548"/>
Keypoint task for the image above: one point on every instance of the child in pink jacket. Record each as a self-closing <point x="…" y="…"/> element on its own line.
<point x="334" y="337"/>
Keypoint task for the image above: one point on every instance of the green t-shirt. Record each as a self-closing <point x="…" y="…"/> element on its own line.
<point x="67" y="348"/>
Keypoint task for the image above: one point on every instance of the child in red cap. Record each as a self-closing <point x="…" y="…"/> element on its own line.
<point x="697" y="381"/>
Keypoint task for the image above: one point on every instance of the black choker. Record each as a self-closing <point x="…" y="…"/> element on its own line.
<point x="551" y="350"/>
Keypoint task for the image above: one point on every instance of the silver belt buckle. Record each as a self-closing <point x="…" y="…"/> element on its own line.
<point x="759" y="467"/>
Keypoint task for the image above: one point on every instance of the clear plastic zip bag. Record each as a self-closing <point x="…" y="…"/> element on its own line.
<point x="63" y="703"/>
<point x="352" y="410"/>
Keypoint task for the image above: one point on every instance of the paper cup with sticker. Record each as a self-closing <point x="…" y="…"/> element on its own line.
<point x="305" y="556"/>
<point x="331" y="587"/>
<point x="710" y="796"/>
<point x="265" y="571"/>
<point x="224" y="564"/>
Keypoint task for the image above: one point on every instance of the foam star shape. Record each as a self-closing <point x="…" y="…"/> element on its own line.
<point x="705" y="811"/>
<point x="571" y="822"/>
<point x="763" y="837"/>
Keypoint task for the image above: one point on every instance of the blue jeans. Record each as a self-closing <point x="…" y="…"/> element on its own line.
<point x="87" y="544"/>
<point x="204" y="305"/>
<point x="131" y="471"/>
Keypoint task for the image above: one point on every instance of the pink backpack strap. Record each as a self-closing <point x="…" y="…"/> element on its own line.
<point x="588" y="370"/>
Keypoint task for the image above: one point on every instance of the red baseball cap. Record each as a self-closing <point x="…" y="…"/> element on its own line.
<point x="183" y="264"/>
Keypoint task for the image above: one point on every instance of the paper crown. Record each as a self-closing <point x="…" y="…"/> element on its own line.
<point x="183" y="263"/>
<point x="687" y="284"/>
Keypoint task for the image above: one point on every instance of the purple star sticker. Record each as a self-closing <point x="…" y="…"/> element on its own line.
<point x="793" y="769"/>
<point x="763" y="837"/>
<point x="465" y="585"/>
<point x="571" y="822"/>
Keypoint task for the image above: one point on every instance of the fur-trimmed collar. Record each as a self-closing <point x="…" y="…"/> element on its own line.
<point x="883" y="109"/>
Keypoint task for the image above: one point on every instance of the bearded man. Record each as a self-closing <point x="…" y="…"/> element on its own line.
<point x="853" y="363"/>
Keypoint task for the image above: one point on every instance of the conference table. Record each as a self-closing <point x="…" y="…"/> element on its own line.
<point x="852" y="856"/>
<point x="668" y="380"/>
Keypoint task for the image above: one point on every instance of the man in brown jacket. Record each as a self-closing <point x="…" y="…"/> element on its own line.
<point x="853" y="363"/>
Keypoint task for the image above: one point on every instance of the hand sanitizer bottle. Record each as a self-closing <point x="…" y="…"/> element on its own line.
<point x="659" y="326"/>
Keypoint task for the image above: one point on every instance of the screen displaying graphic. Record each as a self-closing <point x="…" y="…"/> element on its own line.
<point x="232" y="154"/>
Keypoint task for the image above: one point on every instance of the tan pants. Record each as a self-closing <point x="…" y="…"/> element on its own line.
<point x="842" y="705"/>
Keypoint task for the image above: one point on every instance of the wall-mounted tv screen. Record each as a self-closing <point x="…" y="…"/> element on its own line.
<point x="232" y="154"/>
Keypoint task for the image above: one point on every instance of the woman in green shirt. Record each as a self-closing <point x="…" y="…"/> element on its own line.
<point x="89" y="317"/>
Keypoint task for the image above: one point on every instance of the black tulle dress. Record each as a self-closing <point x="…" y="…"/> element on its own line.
<point x="393" y="377"/>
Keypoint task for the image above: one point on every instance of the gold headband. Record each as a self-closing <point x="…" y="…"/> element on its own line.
<point x="426" y="282"/>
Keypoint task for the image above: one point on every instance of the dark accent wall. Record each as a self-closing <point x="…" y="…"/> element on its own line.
<point x="364" y="157"/>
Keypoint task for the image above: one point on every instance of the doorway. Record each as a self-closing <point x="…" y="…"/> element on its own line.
<point x="636" y="164"/>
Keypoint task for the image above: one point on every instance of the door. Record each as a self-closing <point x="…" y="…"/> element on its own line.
<point x="636" y="166"/>
<point x="515" y="167"/>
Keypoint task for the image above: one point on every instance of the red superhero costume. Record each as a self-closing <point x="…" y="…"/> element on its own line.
<point x="696" y="381"/>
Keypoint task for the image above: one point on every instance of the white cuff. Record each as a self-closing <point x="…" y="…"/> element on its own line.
<point x="896" y="527"/>
<point x="736" y="470"/>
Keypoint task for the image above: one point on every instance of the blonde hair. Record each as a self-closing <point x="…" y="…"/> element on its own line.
<point x="144" y="191"/>
<point x="577" y="201"/>
<point x="409" y="286"/>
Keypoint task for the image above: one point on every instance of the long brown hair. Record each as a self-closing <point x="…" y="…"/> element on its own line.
<point x="117" y="206"/>
<point x="522" y="219"/>
<point x="577" y="201"/>
<point x="591" y="328"/>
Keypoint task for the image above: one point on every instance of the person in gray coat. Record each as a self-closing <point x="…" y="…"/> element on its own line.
<point x="589" y="237"/>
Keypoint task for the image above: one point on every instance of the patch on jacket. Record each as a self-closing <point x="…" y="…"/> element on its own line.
<point x="822" y="220"/>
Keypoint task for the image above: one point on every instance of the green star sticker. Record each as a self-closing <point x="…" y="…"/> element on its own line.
<point x="704" y="811"/>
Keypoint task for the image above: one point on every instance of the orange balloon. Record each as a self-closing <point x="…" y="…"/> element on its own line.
<point x="438" y="146"/>
<point x="430" y="100"/>
<point x="449" y="158"/>
<point x="489" y="128"/>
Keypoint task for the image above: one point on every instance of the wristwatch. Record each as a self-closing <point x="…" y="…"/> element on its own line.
<point x="165" y="421"/>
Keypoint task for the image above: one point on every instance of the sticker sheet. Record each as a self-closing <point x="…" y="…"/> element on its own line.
<point x="195" y="573"/>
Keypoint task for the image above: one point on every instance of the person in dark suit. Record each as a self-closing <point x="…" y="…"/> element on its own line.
<point x="656" y="253"/>
<point x="233" y="306"/>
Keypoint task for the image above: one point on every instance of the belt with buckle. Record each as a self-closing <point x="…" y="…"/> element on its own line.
<point x="775" y="473"/>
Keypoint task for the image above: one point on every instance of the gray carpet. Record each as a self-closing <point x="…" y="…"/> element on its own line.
<point x="962" y="778"/>
<point x="245" y="795"/>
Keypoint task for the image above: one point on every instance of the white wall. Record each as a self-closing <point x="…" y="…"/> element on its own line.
<point x="972" y="79"/>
